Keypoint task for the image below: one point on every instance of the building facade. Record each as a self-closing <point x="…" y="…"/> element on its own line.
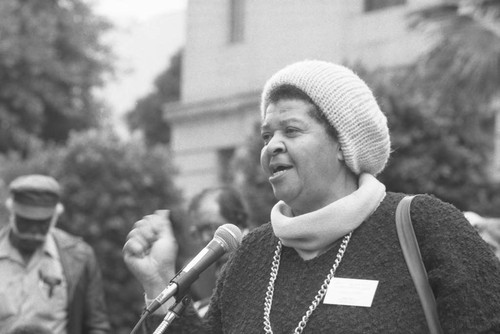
<point x="233" y="46"/>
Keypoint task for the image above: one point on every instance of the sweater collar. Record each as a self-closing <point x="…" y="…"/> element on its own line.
<point x="309" y="234"/>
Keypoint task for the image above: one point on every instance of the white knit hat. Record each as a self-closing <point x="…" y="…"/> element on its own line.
<point x="349" y="106"/>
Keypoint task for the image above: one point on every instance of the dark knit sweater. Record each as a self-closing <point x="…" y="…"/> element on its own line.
<point x="463" y="273"/>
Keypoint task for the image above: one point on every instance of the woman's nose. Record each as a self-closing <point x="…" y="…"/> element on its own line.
<point x="276" y="145"/>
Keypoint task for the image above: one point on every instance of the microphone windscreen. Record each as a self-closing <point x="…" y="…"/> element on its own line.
<point x="230" y="235"/>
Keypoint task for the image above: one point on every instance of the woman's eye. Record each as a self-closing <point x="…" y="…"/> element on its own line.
<point x="291" y="131"/>
<point x="266" y="137"/>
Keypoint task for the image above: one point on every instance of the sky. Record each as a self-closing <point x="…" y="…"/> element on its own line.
<point x="147" y="34"/>
<point x="123" y="10"/>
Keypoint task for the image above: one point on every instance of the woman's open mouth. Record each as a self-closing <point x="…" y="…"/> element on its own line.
<point x="279" y="170"/>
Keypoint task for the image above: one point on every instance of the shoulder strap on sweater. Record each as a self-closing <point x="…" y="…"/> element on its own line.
<point x="416" y="267"/>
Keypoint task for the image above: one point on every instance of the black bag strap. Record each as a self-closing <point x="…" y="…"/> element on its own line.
<point x="416" y="267"/>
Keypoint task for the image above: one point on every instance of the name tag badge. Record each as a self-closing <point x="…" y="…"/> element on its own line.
<point x="351" y="292"/>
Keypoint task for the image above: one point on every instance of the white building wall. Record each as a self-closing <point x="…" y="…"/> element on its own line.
<point x="197" y="140"/>
<point x="278" y="32"/>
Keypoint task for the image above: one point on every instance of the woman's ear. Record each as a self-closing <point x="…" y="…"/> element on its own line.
<point x="340" y="154"/>
<point x="59" y="209"/>
<point x="8" y="203"/>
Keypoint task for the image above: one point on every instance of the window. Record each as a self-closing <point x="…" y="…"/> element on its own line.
<point x="236" y="20"/>
<point x="225" y="155"/>
<point x="371" y="5"/>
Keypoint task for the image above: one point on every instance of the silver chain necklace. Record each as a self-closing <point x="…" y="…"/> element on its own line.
<point x="317" y="299"/>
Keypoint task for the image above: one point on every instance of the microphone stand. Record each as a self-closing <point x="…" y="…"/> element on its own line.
<point x="173" y="312"/>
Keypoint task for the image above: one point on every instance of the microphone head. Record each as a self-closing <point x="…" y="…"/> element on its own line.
<point x="230" y="235"/>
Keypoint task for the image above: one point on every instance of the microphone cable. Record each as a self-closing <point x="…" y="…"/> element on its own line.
<point x="139" y="323"/>
<point x="174" y="311"/>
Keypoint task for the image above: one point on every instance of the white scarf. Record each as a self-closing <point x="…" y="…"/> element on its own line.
<point x="312" y="232"/>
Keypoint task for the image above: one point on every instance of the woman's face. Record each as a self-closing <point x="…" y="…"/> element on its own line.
<point x="299" y="156"/>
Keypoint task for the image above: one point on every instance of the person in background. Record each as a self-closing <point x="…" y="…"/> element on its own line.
<point x="49" y="277"/>
<point x="194" y="228"/>
<point x="488" y="228"/>
<point x="330" y="260"/>
<point x="207" y="211"/>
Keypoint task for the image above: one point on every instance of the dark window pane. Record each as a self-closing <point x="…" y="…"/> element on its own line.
<point x="236" y="20"/>
<point x="371" y="5"/>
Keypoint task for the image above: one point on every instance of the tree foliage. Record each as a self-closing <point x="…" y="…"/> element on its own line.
<point x="51" y="59"/>
<point x="466" y="48"/>
<point x="107" y="186"/>
<point x="461" y="70"/>
<point x="441" y="143"/>
<point x="147" y="116"/>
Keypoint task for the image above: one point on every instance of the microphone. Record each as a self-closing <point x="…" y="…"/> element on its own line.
<point x="226" y="238"/>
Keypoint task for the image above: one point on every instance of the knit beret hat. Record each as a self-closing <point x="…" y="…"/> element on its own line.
<point x="35" y="196"/>
<point x="349" y="106"/>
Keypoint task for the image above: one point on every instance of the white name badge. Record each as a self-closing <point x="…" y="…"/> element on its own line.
<point x="351" y="292"/>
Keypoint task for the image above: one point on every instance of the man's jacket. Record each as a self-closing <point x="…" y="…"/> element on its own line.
<point x="87" y="313"/>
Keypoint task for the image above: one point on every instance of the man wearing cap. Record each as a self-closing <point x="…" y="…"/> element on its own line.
<point x="48" y="276"/>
